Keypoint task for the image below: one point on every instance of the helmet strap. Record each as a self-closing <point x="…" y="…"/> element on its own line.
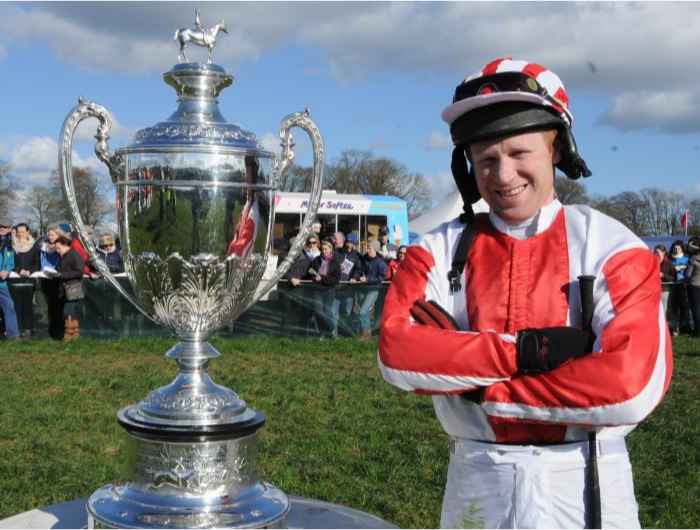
<point x="464" y="177"/>
<point x="570" y="163"/>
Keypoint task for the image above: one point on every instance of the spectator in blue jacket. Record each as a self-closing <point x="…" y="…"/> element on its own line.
<point x="351" y="270"/>
<point x="375" y="269"/>
<point x="7" y="264"/>
<point x="679" y="310"/>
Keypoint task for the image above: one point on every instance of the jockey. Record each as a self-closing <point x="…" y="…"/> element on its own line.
<point x="485" y="315"/>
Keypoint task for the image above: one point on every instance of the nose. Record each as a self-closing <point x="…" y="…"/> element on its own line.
<point x="504" y="170"/>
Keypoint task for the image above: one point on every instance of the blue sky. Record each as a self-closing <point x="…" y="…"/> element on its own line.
<point x="375" y="75"/>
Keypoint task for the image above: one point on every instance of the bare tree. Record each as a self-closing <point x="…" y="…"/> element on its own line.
<point x="88" y="193"/>
<point x="694" y="217"/>
<point x="361" y="172"/>
<point x="627" y="207"/>
<point x="43" y="206"/>
<point x="298" y="178"/>
<point x="570" y="191"/>
<point x="7" y="193"/>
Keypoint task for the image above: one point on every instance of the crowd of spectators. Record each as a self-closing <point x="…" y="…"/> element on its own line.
<point x="346" y="280"/>
<point x="679" y="270"/>
<point x="56" y="263"/>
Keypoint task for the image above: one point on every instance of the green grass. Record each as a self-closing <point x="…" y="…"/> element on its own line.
<point x="335" y="430"/>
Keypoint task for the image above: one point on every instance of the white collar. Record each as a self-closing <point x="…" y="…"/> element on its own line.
<point x="530" y="227"/>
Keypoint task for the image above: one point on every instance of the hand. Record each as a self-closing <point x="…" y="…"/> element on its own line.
<point x="542" y="350"/>
<point x="430" y="313"/>
<point x="24" y="273"/>
<point x="363" y="278"/>
<point x="295" y="281"/>
<point x="4" y="275"/>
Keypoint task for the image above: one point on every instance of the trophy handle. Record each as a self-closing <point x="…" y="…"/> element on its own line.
<point x="303" y="121"/>
<point x="82" y="111"/>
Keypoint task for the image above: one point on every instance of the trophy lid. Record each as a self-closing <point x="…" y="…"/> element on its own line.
<point x="197" y="120"/>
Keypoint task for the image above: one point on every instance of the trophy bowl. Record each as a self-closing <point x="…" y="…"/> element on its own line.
<point x="195" y="200"/>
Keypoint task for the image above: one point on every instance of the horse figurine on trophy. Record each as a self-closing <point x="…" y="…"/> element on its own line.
<point x="199" y="36"/>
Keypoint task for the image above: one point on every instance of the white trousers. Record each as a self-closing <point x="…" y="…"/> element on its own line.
<point x="525" y="486"/>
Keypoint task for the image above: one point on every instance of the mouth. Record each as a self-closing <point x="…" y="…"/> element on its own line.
<point x="509" y="193"/>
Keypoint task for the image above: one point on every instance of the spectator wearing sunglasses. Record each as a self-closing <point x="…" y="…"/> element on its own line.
<point x="107" y="250"/>
<point x="395" y="263"/>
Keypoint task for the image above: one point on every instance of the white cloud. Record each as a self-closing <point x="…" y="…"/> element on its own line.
<point x="271" y="142"/>
<point x="33" y="160"/>
<point x="442" y="184"/>
<point x="438" y="141"/>
<point x="677" y="111"/>
<point x="609" y="49"/>
<point x="87" y="129"/>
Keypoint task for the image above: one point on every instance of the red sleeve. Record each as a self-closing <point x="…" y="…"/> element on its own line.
<point x="621" y="382"/>
<point x="430" y="360"/>
<point x="78" y="247"/>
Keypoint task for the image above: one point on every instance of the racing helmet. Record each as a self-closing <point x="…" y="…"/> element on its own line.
<point x="508" y="97"/>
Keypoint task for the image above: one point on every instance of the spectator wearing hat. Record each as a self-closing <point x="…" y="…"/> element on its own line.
<point x="339" y="239"/>
<point x="7" y="264"/>
<point x="386" y="250"/>
<point x="27" y="262"/>
<point x="351" y="269"/>
<point x="375" y="269"/>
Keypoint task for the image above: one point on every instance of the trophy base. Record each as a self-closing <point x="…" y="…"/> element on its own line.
<point x="123" y="506"/>
<point x="193" y="476"/>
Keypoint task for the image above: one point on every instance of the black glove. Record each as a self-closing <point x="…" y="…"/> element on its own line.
<point x="431" y="313"/>
<point x="542" y="350"/>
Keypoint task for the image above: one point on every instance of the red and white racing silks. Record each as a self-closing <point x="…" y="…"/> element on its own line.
<point x="515" y="283"/>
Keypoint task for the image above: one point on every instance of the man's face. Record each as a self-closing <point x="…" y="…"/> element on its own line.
<point x="4" y="230"/>
<point x="515" y="175"/>
<point x="339" y="240"/>
<point x="22" y="232"/>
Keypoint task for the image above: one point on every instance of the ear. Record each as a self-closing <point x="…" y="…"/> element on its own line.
<point x="556" y="148"/>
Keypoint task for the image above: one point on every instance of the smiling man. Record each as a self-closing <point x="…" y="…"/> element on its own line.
<point x="485" y="315"/>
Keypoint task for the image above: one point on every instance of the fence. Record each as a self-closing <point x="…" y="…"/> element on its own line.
<point x="306" y="310"/>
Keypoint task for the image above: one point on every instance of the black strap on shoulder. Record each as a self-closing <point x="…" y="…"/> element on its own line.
<point x="459" y="259"/>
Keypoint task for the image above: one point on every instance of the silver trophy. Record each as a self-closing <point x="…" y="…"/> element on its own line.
<point x="195" y="198"/>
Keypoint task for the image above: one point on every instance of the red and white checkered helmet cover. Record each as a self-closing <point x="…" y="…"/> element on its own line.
<point x="556" y="98"/>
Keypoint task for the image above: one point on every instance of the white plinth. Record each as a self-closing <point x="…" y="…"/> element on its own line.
<point x="304" y="513"/>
